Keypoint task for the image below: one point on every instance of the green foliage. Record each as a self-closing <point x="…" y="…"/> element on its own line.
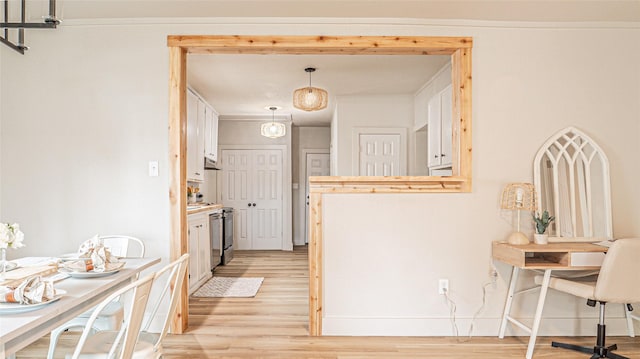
<point x="542" y="222"/>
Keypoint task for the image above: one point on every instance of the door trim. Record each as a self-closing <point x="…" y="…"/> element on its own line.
<point x="302" y="184"/>
<point x="355" y="145"/>
<point x="287" y="235"/>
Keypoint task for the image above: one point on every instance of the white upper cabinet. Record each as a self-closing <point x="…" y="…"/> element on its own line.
<point x="433" y="126"/>
<point x="439" y="127"/>
<point x="195" y="139"/>
<point x="202" y="135"/>
<point x="211" y="134"/>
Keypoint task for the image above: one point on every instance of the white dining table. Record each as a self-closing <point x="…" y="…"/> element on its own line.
<point x="18" y="330"/>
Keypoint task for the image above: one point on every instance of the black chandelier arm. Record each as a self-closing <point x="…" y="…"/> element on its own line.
<point x="19" y="48"/>
<point x="50" y="22"/>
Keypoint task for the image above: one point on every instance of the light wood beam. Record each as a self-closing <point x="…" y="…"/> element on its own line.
<point x="178" y="173"/>
<point x="462" y="149"/>
<point x="315" y="264"/>
<point x="340" y="45"/>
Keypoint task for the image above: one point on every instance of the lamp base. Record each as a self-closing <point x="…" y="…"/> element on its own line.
<point x="517" y="238"/>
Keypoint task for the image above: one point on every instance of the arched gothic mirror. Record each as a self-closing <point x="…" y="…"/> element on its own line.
<point x="571" y="176"/>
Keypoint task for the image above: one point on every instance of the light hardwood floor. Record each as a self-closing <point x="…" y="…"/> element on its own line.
<point x="274" y="325"/>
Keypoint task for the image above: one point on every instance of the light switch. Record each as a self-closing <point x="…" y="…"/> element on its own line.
<point x="153" y="168"/>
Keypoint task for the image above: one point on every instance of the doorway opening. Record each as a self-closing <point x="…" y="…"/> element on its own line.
<point x="459" y="48"/>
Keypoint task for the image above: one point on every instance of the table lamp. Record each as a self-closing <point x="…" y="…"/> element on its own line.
<point x="518" y="197"/>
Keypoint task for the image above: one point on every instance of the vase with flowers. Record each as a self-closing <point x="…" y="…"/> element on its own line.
<point x="10" y="237"/>
<point x="542" y="222"/>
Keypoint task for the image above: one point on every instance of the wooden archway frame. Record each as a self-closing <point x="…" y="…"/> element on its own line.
<point x="458" y="47"/>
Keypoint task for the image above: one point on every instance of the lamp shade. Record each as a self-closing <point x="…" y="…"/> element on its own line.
<point x="519" y="196"/>
<point x="273" y="129"/>
<point x="310" y="98"/>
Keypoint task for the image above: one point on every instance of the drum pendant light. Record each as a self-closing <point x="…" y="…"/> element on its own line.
<point x="310" y="98"/>
<point x="273" y="129"/>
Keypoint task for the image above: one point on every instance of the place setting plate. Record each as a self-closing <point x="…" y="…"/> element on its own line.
<point x="89" y="274"/>
<point x="13" y="308"/>
<point x="10" y="266"/>
<point x="71" y="268"/>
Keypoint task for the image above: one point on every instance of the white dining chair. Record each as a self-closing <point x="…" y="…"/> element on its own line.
<point x="150" y="343"/>
<point x="124" y="246"/>
<point x="111" y="317"/>
<point x="95" y="345"/>
<point x="169" y="279"/>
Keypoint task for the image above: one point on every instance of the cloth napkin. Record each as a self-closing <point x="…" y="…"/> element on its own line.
<point x="94" y="257"/>
<point x="32" y="290"/>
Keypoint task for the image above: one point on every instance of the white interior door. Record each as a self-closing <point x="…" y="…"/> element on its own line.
<point x="252" y="184"/>
<point x="379" y="155"/>
<point x="267" y="196"/>
<point x="317" y="165"/>
<point x="236" y="193"/>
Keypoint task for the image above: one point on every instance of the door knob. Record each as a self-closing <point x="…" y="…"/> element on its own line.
<point x="254" y="204"/>
<point x="249" y="204"/>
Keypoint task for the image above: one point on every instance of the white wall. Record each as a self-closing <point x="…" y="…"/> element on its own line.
<point x="85" y="110"/>
<point x="80" y="122"/>
<point x="304" y="138"/>
<point x="333" y="145"/>
<point x="369" y="111"/>
<point x="384" y="254"/>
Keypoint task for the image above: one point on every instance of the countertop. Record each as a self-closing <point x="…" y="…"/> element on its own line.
<point x="203" y="208"/>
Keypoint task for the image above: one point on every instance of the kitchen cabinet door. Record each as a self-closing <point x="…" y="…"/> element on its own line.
<point x="211" y="134"/>
<point x="446" y="126"/>
<point x="195" y="137"/>
<point x="440" y="129"/>
<point x="434" y="130"/>
<point x="199" y="246"/>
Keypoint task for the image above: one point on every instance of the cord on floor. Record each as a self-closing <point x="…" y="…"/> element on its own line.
<point x="452" y="313"/>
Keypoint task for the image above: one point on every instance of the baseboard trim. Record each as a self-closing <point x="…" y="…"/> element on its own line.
<point x="354" y="326"/>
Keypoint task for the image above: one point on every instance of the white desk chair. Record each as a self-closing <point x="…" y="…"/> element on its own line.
<point x="618" y="282"/>
<point x="111" y="317"/>
<point x="92" y="344"/>
<point x="171" y="277"/>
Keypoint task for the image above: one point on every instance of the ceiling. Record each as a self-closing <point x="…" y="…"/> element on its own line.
<point x="241" y="86"/>
<point x="495" y="10"/>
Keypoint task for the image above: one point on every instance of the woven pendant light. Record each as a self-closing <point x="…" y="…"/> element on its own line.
<point x="310" y="98"/>
<point x="273" y="129"/>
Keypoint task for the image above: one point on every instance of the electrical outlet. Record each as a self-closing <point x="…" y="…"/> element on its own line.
<point x="443" y="286"/>
<point x="493" y="274"/>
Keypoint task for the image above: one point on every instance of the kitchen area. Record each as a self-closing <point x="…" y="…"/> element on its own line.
<point x="211" y="226"/>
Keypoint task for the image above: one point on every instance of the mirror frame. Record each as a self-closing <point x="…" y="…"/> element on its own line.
<point x="554" y="150"/>
<point x="459" y="48"/>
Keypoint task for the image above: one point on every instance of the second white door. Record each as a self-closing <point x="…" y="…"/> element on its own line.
<point x="379" y="155"/>
<point x="252" y="185"/>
